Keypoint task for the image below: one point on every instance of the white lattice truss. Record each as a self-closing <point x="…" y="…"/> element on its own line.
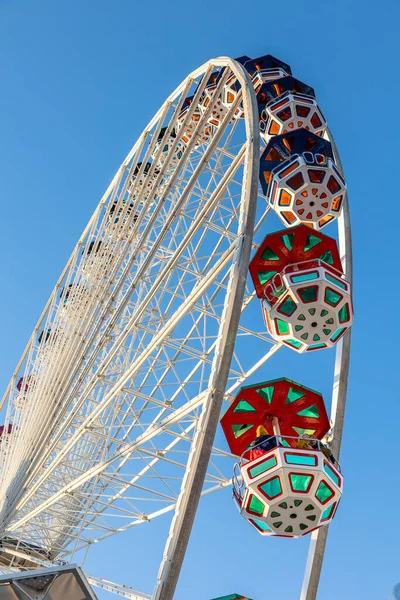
<point x="102" y="432"/>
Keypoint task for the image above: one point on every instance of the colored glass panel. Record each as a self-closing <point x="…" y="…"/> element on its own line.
<point x="269" y="254"/>
<point x="268" y="464"/>
<point x="311" y="411"/>
<point x="323" y="493"/>
<point x="308" y="294"/>
<point x="300" y="459"/>
<point x="244" y="406"/>
<point x="298" y="327"/>
<point x="301" y="318"/>
<point x="298" y="502"/>
<point x="293" y="343"/>
<point x="315" y="346"/>
<point x="309" y="507"/>
<point x="311" y="517"/>
<point x="331" y="297"/>
<point x="327" y="257"/>
<point x="240" y="429"/>
<point x="255" y="505"/>
<point x="294" y="395"/>
<point x="336" y="281"/>
<point x="289" y="529"/>
<point x="272" y="488"/>
<point x="311" y="311"/>
<point x="328" y="512"/>
<point x="344" y="314"/>
<point x="264" y="276"/>
<point x="303" y="526"/>
<point x="287" y="307"/>
<point x="277" y="524"/>
<point x="337" y="333"/>
<point x="331" y="473"/>
<point x="302" y="430"/>
<point x="312" y="240"/>
<point x="300" y="483"/>
<point x="266" y="393"/>
<point x="281" y="326"/>
<point x="287" y="239"/>
<point x="316" y="337"/>
<point x="283" y="505"/>
<point x="305" y="277"/>
<point x="324" y="312"/>
<point x="263" y="526"/>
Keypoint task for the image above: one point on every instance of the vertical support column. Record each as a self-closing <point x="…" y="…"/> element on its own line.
<point x="199" y="457"/>
<point x="342" y="363"/>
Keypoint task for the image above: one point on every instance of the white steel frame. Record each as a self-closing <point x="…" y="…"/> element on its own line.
<point x="124" y="398"/>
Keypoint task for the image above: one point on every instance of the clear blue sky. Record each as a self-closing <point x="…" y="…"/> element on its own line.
<point x="80" y="80"/>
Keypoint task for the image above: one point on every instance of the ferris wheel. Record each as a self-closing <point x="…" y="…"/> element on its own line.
<point x="112" y="410"/>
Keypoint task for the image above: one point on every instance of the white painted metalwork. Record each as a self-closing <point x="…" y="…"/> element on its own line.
<point x="142" y="338"/>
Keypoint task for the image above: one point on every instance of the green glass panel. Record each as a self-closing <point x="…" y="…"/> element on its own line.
<point x="287" y="307"/>
<point x="304" y="336"/>
<point x="294" y="395"/>
<point x="262" y="467"/>
<point x="323" y="493"/>
<point x="327" y="257"/>
<point x="240" y="429"/>
<point x="297" y="459"/>
<point x="267" y="393"/>
<point x="283" y="505"/>
<point x="308" y="294"/>
<point x="293" y="343"/>
<point x="303" y="526"/>
<point x="289" y="529"/>
<point x="327" y="331"/>
<point x="329" y="321"/>
<point x="344" y="314"/>
<point x="324" y="312"/>
<point x="272" y="488"/>
<point x="309" y="507"/>
<point x="298" y="327"/>
<point x="287" y="239"/>
<point x="302" y="430"/>
<point x="311" y="311"/>
<point x="261" y="525"/>
<point x="327" y="513"/>
<point x="298" y="502"/>
<point x="335" y="281"/>
<point x="332" y="297"/>
<point x="306" y="277"/>
<point x="285" y="443"/>
<point x="315" y="346"/>
<point x="269" y="254"/>
<point x="300" y="483"/>
<point x="277" y="524"/>
<point x="255" y="505"/>
<point x="337" y="334"/>
<point x="316" y="337"/>
<point x="244" y="406"/>
<point x="311" y="411"/>
<point x="264" y="276"/>
<point x="301" y="318"/>
<point x="312" y="240"/>
<point x="311" y="517"/>
<point x="331" y="473"/>
<point x="275" y="514"/>
<point x="282" y="326"/>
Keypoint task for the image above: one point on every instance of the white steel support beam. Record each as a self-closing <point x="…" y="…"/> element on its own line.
<point x="203" y="440"/>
